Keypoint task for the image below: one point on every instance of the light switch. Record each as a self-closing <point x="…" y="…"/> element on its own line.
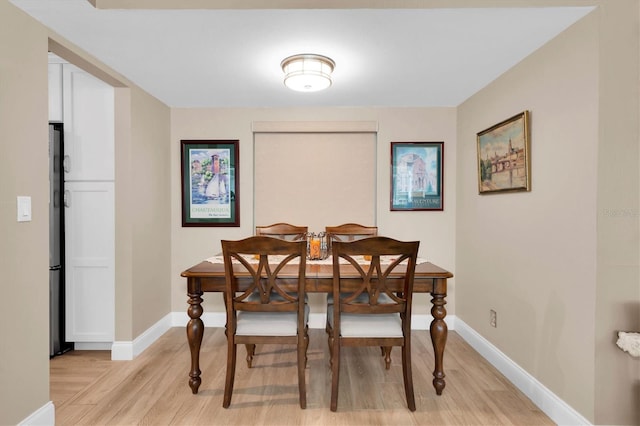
<point x="24" y="209"/>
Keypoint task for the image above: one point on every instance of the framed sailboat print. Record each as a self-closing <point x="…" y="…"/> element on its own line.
<point x="209" y="181"/>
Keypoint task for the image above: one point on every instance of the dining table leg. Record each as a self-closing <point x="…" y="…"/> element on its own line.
<point x="439" y="332"/>
<point x="195" y="331"/>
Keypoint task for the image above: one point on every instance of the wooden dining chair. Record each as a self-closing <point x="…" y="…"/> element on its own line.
<point x="265" y="302"/>
<point x="372" y="302"/>
<point x="284" y="231"/>
<point x="351" y="232"/>
<point x="348" y="232"/>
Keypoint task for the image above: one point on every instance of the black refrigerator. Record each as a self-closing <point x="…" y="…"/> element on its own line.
<point x="57" y="343"/>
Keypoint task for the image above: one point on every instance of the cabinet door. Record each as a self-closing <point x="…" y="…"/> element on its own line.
<point x="55" y="92"/>
<point x="88" y="126"/>
<point x="89" y="261"/>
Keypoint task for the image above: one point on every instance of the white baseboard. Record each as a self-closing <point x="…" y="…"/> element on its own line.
<point x="44" y="416"/>
<point x="547" y="401"/>
<point x="126" y="351"/>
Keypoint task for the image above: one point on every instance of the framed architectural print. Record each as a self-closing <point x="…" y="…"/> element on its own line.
<point x="209" y="181"/>
<point x="416" y="176"/>
<point x="504" y="159"/>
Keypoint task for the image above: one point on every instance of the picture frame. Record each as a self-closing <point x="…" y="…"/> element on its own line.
<point x="209" y="182"/>
<point x="504" y="156"/>
<point x="417" y="176"/>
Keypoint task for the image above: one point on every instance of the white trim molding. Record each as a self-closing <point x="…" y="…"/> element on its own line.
<point x="43" y="416"/>
<point x="554" y="407"/>
<point x="126" y="351"/>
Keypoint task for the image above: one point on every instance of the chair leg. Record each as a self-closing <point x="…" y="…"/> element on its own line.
<point x="330" y="343"/>
<point x="386" y="352"/>
<point x="231" y="372"/>
<point x="306" y="345"/>
<point x="335" y="373"/>
<point x="408" y="376"/>
<point x="302" y="363"/>
<point x="251" y="351"/>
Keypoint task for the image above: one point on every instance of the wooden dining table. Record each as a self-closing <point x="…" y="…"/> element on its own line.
<point x="209" y="277"/>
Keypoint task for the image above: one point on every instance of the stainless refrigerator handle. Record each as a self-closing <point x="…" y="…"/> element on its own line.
<point x="66" y="164"/>
<point x="67" y="198"/>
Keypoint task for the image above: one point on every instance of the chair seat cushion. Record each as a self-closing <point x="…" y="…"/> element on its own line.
<point x="367" y="325"/>
<point x="269" y="323"/>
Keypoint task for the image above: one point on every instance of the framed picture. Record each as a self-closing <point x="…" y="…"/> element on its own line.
<point x="504" y="160"/>
<point x="416" y="176"/>
<point x="209" y="179"/>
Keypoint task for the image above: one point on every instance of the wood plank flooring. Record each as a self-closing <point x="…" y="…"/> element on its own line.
<point x="87" y="388"/>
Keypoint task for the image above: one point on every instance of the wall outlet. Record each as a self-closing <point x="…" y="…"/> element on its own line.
<point x="493" y="318"/>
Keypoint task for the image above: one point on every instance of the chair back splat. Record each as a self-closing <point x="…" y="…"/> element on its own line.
<point x="265" y="300"/>
<point x="372" y="301"/>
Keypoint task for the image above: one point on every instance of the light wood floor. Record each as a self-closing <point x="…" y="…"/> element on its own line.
<point x="89" y="389"/>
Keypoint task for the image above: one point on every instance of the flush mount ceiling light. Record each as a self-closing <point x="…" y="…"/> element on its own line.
<point x="307" y="72"/>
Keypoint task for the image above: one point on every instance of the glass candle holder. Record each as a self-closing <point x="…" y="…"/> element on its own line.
<point x="316" y="246"/>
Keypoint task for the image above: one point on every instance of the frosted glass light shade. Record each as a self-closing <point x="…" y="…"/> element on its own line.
<point x="307" y="72"/>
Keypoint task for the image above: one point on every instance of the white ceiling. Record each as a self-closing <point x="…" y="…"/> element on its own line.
<point x="231" y="58"/>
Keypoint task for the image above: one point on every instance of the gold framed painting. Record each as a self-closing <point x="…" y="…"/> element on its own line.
<point x="504" y="156"/>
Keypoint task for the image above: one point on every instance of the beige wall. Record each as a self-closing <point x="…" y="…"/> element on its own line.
<point x="142" y="212"/>
<point x="24" y="249"/>
<point x="150" y="209"/>
<point x="142" y="209"/>
<point x="436" y="230"/>
<point x="562" y="276"/>
<point x="617" y="375"/>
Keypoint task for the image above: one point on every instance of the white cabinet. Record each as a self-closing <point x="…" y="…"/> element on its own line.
<point x="85" y="105"/>
<point x="55" y="92"/>
<point x="89" y="261"/>
<point x="88" y="126"/>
